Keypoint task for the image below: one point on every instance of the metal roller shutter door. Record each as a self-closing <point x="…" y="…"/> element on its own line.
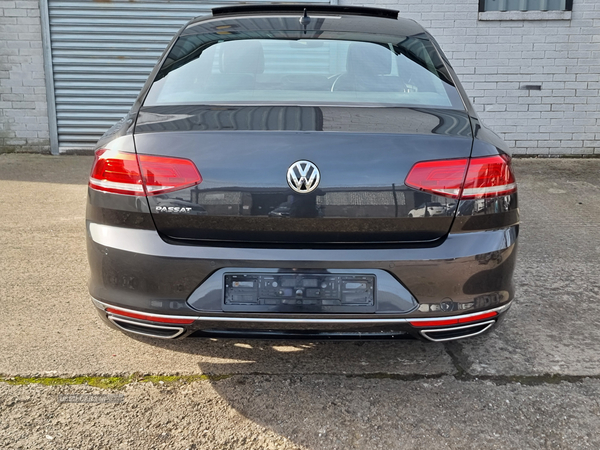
<point x="102" y="52"/>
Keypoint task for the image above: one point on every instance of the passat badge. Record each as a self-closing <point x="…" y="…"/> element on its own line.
<point x="303" y="176"/>
<point x="173" y="209"/>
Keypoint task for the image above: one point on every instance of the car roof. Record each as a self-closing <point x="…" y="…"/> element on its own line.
<point x="364" y="20"/>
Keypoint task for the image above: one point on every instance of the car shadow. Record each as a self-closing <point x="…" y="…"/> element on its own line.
<point x="312" y="392"/>
<point x="234" y="356"/>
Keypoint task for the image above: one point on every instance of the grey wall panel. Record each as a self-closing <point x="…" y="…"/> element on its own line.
<point x="102" y="53"/>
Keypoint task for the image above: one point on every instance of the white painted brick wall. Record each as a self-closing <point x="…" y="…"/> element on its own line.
<point x="494" y="59"/>
<point x="23" y="109"/>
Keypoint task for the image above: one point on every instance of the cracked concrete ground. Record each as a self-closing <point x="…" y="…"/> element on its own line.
<point x="532" y="383"/>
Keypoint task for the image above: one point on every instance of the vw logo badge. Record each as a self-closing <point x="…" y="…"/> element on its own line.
<point x="303" y="177"/>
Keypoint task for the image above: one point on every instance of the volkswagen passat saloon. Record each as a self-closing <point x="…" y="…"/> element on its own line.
<point x="263" y="183"/>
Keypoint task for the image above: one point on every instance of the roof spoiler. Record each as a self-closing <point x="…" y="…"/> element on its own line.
<point x="310" y="8"/>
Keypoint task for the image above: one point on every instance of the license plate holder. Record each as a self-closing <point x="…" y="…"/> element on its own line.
<point x="299" y="292"/>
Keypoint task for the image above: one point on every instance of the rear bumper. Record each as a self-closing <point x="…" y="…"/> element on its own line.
<point x="136" y="272"/>
<point x="436" y="329"/>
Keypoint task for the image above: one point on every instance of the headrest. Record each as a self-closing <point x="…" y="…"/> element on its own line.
<point x="368" y="59"/>
<point x="242" y="57"/>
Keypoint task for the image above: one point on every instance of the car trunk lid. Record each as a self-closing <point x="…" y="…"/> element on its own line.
<point x="243" y="153"/>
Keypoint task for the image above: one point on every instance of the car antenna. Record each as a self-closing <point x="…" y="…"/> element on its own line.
<point x="305" y="20"/>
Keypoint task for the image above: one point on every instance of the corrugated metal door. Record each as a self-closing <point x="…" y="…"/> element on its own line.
<point x="102" y="53"/>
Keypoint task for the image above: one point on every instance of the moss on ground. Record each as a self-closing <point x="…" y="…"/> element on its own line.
<point x="110" y="382"/>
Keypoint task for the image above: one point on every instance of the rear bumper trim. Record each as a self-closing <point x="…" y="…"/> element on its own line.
<point x="293" y="320"/>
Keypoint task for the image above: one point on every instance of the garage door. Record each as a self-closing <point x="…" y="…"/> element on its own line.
<point x="102" y="52"/>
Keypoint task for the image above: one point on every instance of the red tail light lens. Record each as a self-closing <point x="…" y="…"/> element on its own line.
<point x="162" y="174"/>
<point x="124" y="173"/>
<point x="438" y="177"/>
<point x="116" y="172"/>
<point x="489" y="176"/>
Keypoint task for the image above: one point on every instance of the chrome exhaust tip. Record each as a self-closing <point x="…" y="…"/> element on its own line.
<point x="146" y="329"/>
<point x="453" y="333"/>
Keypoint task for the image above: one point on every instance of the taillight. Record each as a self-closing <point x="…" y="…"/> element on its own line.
<point x="116" y="172"/>
<point x="124" y="173"/>
<point x="163" y="174"/>
<point x="489" y="176"/>
<point x="438" y="177"/>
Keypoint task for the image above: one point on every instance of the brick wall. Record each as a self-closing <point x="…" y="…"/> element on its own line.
<point x="495" y="59"/>
<point x="23" y="111"/>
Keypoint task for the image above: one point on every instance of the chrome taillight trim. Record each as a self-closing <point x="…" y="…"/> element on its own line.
<point x="136" y="189"/>
<point x="475" y="193"/>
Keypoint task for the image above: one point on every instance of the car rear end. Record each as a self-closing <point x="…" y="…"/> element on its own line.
<point x="262" y="186"/>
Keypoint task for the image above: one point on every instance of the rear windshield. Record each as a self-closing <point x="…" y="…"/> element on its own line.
<point x="317" y="71"/>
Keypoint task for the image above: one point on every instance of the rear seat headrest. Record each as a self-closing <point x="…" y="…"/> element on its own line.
<point x="242" y="57"/>
<point x="368" y="59"/>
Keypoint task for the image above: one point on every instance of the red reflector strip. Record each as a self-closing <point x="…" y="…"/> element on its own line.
<point x="150" y="318"/>
<point x="450" y="321"/>
<point x="434" y="323"/>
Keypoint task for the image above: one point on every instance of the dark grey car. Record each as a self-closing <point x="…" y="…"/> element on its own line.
<point x="263" y="182"/>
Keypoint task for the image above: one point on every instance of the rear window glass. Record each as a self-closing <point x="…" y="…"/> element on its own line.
<point x="303" y="71"/>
